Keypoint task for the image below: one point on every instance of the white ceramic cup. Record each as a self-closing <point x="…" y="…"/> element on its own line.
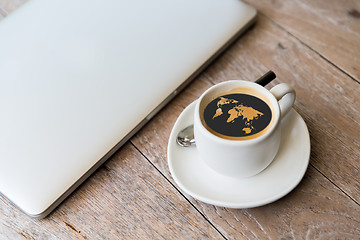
<point x="242" y="158"/>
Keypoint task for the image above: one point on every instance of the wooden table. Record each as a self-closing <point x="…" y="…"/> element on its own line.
<point x="312" y="45"/>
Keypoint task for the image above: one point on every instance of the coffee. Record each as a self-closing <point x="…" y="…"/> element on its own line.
<point x="237" y="126"/>
<point x="240" y="114"/>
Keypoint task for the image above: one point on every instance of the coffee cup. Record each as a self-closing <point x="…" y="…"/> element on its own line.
<point x="237" y="126"/>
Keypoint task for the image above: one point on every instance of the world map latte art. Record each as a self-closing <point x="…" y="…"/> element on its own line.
<point x="237" y="115"/>
<point x="248" y="114"/>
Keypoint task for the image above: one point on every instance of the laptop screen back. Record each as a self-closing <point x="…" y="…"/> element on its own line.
<point x="77" y="77"/>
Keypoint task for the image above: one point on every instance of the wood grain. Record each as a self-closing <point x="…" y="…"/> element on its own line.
<point x="127" y="198"/>
<point x="331" y="28"/>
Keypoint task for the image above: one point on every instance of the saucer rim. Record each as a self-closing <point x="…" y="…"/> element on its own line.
<point x="239" y="204"/>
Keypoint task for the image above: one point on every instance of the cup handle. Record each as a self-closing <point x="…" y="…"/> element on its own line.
<point x="285" y="95"/>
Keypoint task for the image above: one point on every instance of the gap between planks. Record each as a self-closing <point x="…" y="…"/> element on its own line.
<point x="173" y="185"/>
<point x="310" y="48"/>
<point x="335" y="184"/>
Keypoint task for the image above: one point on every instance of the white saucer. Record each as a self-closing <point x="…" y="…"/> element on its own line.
<point x="201" y="182"/>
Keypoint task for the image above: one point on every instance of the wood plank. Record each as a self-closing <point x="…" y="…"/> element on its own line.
<point x="331" y="28"/>
<point x="321" y="89"/>
<point x="127" y="198"/>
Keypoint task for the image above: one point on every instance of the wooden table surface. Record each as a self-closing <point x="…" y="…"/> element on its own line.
<point x="312" y="45"/>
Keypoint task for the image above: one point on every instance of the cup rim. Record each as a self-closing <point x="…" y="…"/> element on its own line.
<point x="239" y="83"/>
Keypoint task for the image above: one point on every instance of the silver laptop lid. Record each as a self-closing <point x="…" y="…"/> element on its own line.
<point x="77" y="77"/>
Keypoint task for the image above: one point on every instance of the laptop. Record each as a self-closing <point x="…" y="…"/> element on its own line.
<point x="79" y="78"/>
